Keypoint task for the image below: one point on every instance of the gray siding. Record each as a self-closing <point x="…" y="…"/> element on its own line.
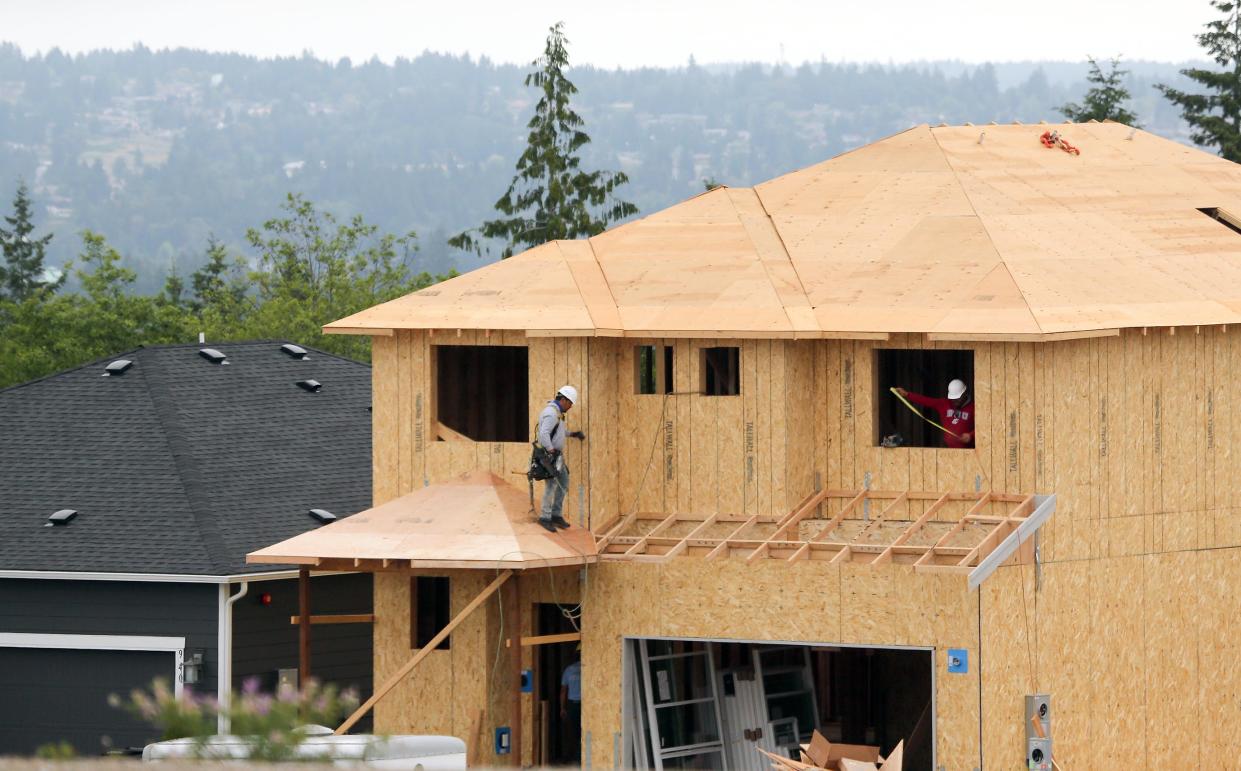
<point x="116" y="607"/>
<point x="264" y="640"/>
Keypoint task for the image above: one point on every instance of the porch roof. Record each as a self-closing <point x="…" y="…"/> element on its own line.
<point x="477" y="520"/>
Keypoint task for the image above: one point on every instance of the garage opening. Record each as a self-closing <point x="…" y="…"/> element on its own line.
<point x="711" y="703"/>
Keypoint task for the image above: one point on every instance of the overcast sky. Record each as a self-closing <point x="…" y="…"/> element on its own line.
<point x="627" y="33"/>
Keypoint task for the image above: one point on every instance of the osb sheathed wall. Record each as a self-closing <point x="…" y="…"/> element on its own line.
<point x="1129" y="627"/>
<point x="467" y="690"/>
<point x="1132" y="629"/>
<point x="810" y="601"/>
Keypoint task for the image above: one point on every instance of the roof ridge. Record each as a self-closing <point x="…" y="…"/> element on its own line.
<point x="188" y="470"/>
<point x="67" y="370"/>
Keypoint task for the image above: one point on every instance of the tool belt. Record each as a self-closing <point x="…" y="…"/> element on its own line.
<point x="542" y="464"/>
<point x="542" y="460"/>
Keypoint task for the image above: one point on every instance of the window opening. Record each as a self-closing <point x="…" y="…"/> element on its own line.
<point x="482" y="391"/>
<point x="429" y="601"/>
<point x="1223" y="218"/>
<point x="926" y="376"/>
<point x="721" y="371"/>
<point x="652" y="369"/>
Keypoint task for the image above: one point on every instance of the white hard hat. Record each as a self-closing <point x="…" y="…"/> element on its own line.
<point x="568" y="392"/>
<point x="956" y="389"/>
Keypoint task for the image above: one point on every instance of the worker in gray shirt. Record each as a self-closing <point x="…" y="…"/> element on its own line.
<point x="551" y="437"/>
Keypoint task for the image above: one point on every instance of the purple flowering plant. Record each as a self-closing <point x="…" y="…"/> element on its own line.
<point x="270" y="722"/>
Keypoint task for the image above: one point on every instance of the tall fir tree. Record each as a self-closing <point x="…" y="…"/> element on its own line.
<point x="1215" y="117"/>
<point x="551" y="197"/>
<point x="1106" y="98"/>
<point x="22" y="274"/>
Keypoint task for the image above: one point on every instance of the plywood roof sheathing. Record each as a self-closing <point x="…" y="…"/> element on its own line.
<point x="927" y="231"/>
<point x="476" y="521"/>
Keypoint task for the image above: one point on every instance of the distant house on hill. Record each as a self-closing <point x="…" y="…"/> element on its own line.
<point x="131" y="489"/>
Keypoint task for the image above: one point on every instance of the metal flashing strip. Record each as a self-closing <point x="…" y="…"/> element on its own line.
<point x="93" y="642"/>
<point x="1044" y="506"/>
<point x="156" y="578"/>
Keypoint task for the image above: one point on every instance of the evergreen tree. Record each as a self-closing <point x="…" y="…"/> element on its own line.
<point x="220" y="283"/>
<point x="551" y="197"/>
<point x="22" y="274"/>
<point x="1215" y="116"/>
<point x="1105" y="99"/>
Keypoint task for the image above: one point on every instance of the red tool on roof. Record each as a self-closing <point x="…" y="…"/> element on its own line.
<point x="1053" y="139"/>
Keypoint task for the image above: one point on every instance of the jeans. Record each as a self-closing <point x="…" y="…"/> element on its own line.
<point x="554" y="490"/>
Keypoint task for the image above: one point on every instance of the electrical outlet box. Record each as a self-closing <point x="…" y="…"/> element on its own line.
<point x="504" y="740"/>
<point x="527" y="681"/>
<point x="287" y="679"/>
<point x="958" y="661"/>
<point x="1038" y="705"/>
<point x="1038" y="754"/>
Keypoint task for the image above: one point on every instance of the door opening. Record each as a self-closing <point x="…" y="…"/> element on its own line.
<point x="557" y="717"/>
<point x="710" y="703"/>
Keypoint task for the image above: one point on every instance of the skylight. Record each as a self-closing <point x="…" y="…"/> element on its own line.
<point x="118" y="367"/>
<point x="310" y="385"/>
<point x="213" y="356"/>
<point x="295" y="351"/>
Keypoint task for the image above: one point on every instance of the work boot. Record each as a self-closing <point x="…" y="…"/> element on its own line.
<point x="560" y="522"/>
<point x="548" y="525"/>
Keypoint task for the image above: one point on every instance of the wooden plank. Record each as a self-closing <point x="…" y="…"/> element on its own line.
<point x="373" y="331"/>
<point x="513" y="611"/>
<point x="423" y="652"/>
<point x="641" y="544"/>
<point x="340" y="618"/>
<point x="683" y="544"/>
<point x="448" y="435"/>
<point x="303" y="625"/>
<point x="908" y="533"/>
<point x="548" y="639"/>
<point x="723" y="544"/>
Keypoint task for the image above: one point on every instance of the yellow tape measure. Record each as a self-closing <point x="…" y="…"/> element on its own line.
<point x="918" y="412"/>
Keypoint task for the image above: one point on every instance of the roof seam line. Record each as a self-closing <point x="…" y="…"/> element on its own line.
<point x="784" y="248"/>
<point x="606" y="285"/>
<point x="187" y="469"/>
<point x="965" y="194"/>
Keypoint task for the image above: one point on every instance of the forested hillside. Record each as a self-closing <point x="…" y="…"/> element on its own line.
<point x="157" y="151"/>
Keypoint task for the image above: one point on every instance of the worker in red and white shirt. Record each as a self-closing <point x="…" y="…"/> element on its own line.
<point x="956" y="413"/>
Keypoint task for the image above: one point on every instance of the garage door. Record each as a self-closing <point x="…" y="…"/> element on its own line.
<point x="54" y="694"/>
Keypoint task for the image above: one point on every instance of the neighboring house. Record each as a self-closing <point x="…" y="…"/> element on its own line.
<point x="175" y="465"/>
<point x="766" y="563"/>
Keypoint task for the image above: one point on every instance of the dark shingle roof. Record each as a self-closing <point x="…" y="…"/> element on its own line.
<point x="180" y="465"/>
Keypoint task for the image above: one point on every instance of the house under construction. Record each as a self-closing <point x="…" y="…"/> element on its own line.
<point x="752" y="561"/>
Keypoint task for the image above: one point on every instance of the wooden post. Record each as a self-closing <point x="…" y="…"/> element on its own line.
<point x="514" y="613"/>
<point x="303" y="627"/>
